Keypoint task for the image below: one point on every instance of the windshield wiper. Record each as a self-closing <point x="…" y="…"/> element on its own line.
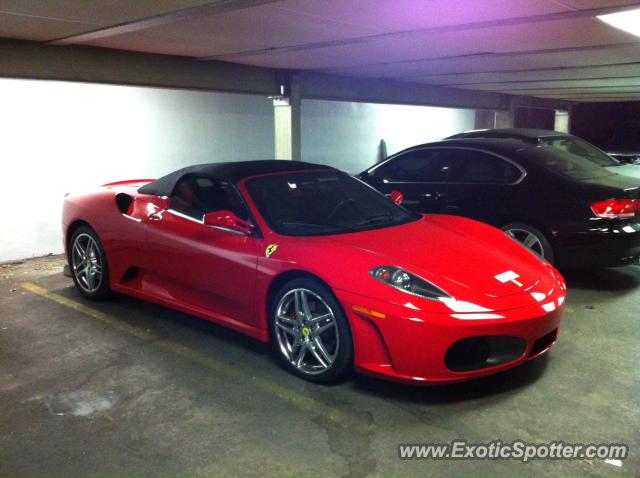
<point x="375" y="220"/>
<point x="337" y="227"/>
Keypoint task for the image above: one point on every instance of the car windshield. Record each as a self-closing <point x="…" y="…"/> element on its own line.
<point x="323" y="203"/>
<point x="578" y="147"/>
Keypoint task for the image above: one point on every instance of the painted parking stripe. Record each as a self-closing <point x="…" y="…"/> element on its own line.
<point x="301" y="401"/>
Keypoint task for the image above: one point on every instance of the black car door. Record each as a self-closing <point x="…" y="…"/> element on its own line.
<point x="483" y="186"/>
<point x="419" y="174"/>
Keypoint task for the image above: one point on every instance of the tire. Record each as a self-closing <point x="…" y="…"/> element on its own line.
<point x="88" y="264"/>
<point x="531" y="238"/>
<point x="314" y="348"/>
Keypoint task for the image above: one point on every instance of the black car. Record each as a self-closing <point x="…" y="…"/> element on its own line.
<point x="564" y="207"/>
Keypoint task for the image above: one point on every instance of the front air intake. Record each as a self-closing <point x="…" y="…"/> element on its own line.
<point x="476" y="353"/>
<point x="543" y="343"/>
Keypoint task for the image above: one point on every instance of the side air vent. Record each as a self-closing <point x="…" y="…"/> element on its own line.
<point x="123" y="201"/>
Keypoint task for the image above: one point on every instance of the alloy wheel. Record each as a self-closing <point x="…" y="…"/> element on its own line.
<point x="306" y="331"/>
<point x="528" y="239"/>
<point x="86" y="263"/>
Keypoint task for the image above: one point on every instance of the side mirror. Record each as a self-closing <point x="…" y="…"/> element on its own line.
<point x="228" y="221"/>
<point x="397" y="197"/>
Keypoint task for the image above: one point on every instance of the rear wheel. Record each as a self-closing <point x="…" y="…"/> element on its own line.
<point x="310" y="332"/>
<point x="532" y="238"/>
<point x="88" y="263"/>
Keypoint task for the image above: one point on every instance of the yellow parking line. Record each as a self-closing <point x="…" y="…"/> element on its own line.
<point x="301" y="401"/>
<point x="86" y="310"/>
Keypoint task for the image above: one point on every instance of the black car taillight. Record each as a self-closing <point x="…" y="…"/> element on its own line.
<point x="616" y="208"/>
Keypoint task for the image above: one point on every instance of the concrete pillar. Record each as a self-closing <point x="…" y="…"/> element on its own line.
<point x="561" y="123"/>
<point x="485" y="119"/>
<point x="286" y="113"/>
<point x="504" y="119"/>
<point x="489" y="119"/>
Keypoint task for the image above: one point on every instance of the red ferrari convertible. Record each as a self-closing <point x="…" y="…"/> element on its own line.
<point x="335" y="274"/>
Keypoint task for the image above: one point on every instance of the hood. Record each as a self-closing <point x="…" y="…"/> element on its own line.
<point x="459" y="255"/>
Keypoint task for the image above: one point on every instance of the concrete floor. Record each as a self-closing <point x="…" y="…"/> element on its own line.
<point x="129" y="388"/>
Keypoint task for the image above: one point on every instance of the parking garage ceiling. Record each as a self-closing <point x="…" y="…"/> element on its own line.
<point x="554" y="49"/>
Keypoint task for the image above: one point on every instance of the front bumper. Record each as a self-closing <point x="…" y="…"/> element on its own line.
<point x="600" y="243"/>
<point x="402" y="344"/>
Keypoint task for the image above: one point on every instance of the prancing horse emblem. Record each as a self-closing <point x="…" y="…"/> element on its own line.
<point x="271" y="248"/>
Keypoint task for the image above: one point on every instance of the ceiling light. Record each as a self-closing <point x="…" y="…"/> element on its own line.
<point x="628" y="21"/>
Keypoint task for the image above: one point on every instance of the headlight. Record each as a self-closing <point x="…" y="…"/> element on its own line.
<point x="407" y="282"/>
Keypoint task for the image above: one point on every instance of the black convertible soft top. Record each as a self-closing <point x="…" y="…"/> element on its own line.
<point x="232" y="172"/>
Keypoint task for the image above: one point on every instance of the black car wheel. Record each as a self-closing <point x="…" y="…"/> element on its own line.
<point x="310" y="332"/>
<point x="88" y="263"/>
<point x="532" y="238"/>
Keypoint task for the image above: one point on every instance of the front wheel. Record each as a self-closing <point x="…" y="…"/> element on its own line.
<point x="88" y="264"/>
<point x="531" y="238"/>
<point x="310" y="332"/>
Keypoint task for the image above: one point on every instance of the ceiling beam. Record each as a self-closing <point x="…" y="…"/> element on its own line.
<point x="593" y="93"/>
<point x="544" y="80"/>
<point x="537" y="102"/>
<point x="607" y="99"/>
<point x="571" y="14"/>
<point x="601" y="97"/>
<point x="33" y="60"/>
<point x="366" y="90"/>
<point x="489" y="56"/>
<point x="529" y="70"/>
<point x="622" y="88"/>
<point x="371" y="90"/>
<point x="24" y="59"/>
<point x="553" y="86"/>
<point x="211" y="8"/>
<point x="576" y="96"/>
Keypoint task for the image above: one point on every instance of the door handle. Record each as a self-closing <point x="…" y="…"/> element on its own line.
<point x="155" y="216"/>
<point x="436" y="195"/>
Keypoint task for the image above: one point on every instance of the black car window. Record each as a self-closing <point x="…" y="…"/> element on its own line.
<point x="323" y="203"/>
<point x="195" y="196"/>
<point x="419" y="165"/>
<point x="568" y="164"/>
<point x="483" y="168"/>
<point x="580" y="148"/>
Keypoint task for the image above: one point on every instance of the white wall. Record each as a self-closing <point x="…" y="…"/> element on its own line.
<point x="347" y="135"/>
<point x="57" y="137"/>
